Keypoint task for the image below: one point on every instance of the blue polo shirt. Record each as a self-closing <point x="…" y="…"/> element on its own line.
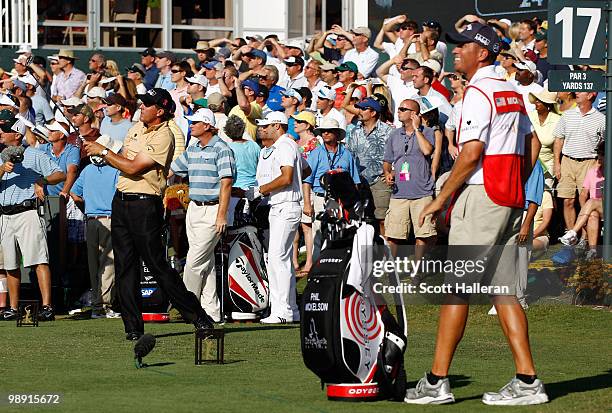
<point x="274" y="98"/>
<point x="321" y="161"/>
<point x="205" y="167"/>
<point x="165" y="82"/>
<point x="117" y="131"/>
<point x="150" y="77"/>
<point x="71" y="155"/>
<point x="18" y="186"/>
<point x="97" y="186"/>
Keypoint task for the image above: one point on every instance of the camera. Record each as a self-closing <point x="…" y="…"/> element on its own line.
<point x="13" y="154"/>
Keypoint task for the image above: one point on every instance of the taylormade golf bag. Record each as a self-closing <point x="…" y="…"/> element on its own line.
<point x="242" y="266"/>
<point x="349" y="337"/>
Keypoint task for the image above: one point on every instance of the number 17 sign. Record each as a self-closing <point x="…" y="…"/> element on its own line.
<point x="576" y="32"/>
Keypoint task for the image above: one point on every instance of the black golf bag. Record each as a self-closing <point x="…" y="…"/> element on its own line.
<point x="155" y="303"/>
<point x="350" y="339"/>
<point x="240" y="264"/>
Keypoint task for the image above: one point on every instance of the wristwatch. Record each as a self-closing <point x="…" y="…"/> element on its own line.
<point x="104" y="152"/>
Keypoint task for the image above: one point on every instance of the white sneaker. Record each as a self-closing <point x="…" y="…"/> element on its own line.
<point x="517" y="393"/>
<point x="275" y="320"/>
<point x="569" y="238"/>
<point x="112" y="314"/>
<point x="492" y="311"/>
<point x="425" y="393"/>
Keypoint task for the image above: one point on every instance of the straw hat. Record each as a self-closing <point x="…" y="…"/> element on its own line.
<point x="330" y="124"/>
<point x="66" y="54"/>
<point x="544" y="96"/>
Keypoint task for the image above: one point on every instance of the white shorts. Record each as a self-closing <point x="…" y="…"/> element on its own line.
<point x="24" y="236"/>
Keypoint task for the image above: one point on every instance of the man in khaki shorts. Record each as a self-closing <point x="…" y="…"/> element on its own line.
<point x="488" y="176"/>
<point x="407" y="167"/>
<point x="577" y="134"/>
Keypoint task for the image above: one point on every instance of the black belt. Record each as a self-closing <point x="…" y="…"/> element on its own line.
<point x="320" y="195"/>
<point x="27" y="205"/>
<point x="129" y="196"/>
<point x="205" y="203"/>
<point x="580" y="159"/>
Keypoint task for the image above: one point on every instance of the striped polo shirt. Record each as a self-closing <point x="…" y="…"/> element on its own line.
<point x="18" y="185"/>
<point x="205" y="167"/>
<point x="581" y="133"/>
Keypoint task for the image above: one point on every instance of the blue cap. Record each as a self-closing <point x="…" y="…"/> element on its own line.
<point x="211" y="64"/>
<point x="251" y="84"/>
<point x="369" y="103"/>
<point x="258" y="53"/>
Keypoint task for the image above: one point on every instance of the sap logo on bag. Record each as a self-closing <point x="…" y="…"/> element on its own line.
<point x="147" y="292"/>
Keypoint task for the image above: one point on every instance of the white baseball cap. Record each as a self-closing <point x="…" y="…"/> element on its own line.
<point x="56" y="126"/>
<point x="198" y="79"/>
<point x="22" y="59"/>
<point x="326" y="92"/>
<point x="202" y="115"/>
<point x="273" y="117"/>
<point x="7" y="101"/>
<point x="107" y="80"/>
<point x="526" y="65"/>
<point x="72" y="101"/>
<point x="28" y="79"/>
<point x="96" y="92"/>
<point x="434" y="65"/>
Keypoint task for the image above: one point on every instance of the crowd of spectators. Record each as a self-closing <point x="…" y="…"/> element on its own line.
<point x="380" y="106"/>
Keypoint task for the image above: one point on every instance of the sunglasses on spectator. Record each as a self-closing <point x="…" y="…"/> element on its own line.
<point x="340" y="38"/>
<point x="406" y="110"/>
<point x="262" y="77"/>
<point x="407" y="68"/>
<point x="176" y="70"/>
<point x="399" y="29"/>
<point x="456" y="77"/>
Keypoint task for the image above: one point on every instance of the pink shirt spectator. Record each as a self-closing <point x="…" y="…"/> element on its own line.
<point x="593" y="181"/>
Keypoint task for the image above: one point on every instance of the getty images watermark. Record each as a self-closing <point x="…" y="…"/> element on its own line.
<point x="412" y="270"/>
<point x="469" y="271"/>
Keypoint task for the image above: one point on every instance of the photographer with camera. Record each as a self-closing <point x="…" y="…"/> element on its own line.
<point x="23" y="174"/>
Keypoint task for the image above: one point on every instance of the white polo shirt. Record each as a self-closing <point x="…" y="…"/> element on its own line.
<point x="366" y="61"/>
<point x="493" y="112"/>
<point x="284" y="152"/>
<point x="332" y="114"/>
<point x="400" y="91"/>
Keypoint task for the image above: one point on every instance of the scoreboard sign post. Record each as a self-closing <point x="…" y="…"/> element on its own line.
<point x="577" y="36"/>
